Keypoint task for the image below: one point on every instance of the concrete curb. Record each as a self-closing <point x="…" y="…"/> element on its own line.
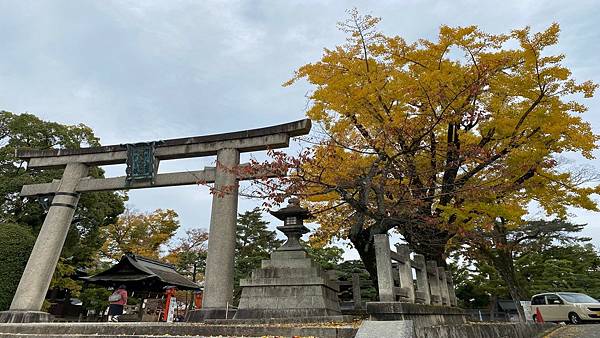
<point x="410" y="329"/>
<point x="487" y="330"/>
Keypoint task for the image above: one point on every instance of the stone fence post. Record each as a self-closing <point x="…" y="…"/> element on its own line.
<point x="356" y="291"/>
<point x="451" y="291"/>
<point x="434" y="283"/>
<point x="405" y="272"/>
<point x="423" y="294"/>
<point x="443" y="286"/>
<point x="385" y="277"/>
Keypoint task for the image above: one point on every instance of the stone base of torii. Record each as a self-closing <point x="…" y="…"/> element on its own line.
<point x="142" y="160"/>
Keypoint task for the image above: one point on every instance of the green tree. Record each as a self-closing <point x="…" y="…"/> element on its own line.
<point x="478" y="285"/>
<point x="502" y="246"/>
<point x="95" y="298"/>
<point x="16" y="243"/>
<point x="574" y="268"/>
<point x="346" y="269"/>
<point x="571" y="267"/>
<point x="328" y="256"/>
<point x="26" y="131"/>
<point x="254" y="242"/>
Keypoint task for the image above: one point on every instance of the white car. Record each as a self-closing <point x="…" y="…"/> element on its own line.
<point x="565" y="307"/>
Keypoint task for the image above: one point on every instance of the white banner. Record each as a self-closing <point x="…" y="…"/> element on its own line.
<point x="526" y="305"/>
<point x="171" y="311"/>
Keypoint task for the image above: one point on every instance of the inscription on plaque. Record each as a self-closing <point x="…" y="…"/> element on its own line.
<point x="141" y="163"/>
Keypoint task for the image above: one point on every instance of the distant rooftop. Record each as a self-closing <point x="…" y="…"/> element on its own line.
<point x="142" y="274"/>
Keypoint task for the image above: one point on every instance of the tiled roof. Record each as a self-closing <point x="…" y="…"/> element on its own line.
<point x="133" y="268"/>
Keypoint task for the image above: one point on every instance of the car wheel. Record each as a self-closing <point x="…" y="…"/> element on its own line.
<point x="574" y="318"/>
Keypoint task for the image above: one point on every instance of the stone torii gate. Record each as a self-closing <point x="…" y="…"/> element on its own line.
<point x="142" y="161"/>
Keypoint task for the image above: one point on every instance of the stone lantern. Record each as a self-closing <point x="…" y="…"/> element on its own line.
<point x="290" y="284"/>
<point x="293" y="217"/>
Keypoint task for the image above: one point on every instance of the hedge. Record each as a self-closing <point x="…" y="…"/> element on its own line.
<point x="16" y="243"/>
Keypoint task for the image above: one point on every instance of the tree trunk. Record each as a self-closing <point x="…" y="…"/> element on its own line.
<point x="515" y="294"/>
<point x="493" y="301"/>
<point x="364" y="244"/>
<point x="429" y="241"/>
<point x="504" y="265"/>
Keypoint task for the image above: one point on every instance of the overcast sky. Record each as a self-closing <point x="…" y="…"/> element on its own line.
<point x="148" y="70"/>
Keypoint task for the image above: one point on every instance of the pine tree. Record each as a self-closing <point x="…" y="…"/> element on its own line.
<point x="254" y="242"/>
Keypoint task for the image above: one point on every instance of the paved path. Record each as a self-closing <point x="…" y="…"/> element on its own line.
<point x="576" y="331"/>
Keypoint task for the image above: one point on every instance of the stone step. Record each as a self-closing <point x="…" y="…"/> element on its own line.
<point x="98" y="330"/>
<point x="24" y="335"/>
<point x="338" y="320"/>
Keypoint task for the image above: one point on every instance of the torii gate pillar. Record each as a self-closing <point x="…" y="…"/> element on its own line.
<point x="218" y="285"/>
<point x="34" y="283"/>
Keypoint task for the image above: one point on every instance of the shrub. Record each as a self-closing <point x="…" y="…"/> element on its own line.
<point x="95" y="298"/>
<point x="16" y="243"/>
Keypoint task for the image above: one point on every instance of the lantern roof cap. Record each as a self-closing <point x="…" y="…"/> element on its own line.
<point x="292" y="209"/>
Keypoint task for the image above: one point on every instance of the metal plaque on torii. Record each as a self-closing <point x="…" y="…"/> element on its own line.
<point x="142" y="165"/>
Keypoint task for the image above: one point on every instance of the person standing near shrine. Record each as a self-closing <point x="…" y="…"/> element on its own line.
<point x="117" y="300"/>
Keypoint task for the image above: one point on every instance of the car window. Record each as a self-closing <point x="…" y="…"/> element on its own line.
<point x="578" y="298"/>
<point x="538" y="300"/>
<point x="553" y="300"/>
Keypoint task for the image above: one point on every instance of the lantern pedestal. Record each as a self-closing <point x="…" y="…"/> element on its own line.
<point x="290" y="284"/>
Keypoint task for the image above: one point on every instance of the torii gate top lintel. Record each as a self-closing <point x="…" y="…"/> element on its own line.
<point x="244" y="141"/>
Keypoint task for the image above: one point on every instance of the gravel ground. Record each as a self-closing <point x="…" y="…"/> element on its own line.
<point x="576" y="331"/>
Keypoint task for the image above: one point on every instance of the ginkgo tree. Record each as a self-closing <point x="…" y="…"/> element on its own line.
<point x="425" y="138"/>
<point x="139" y="233"/>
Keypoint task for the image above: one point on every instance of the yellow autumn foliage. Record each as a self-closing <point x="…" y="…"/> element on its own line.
<point x="452" y="132"/>
<point x="139" y="233"/>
